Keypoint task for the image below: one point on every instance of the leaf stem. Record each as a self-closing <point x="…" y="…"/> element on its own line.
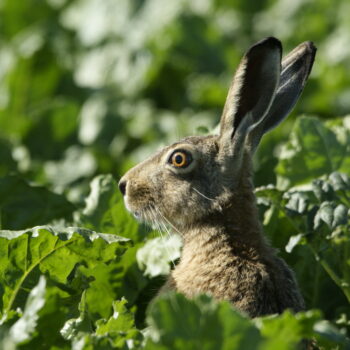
<point x="26" y="274"/>
<point x="336" y="279"/>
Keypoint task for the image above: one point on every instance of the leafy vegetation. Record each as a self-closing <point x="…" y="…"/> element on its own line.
<point x="87" y="89"/>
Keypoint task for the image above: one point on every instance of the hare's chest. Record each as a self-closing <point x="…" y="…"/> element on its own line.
<point x="215" y="278"/>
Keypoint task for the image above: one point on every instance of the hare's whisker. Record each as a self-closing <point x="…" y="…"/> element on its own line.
<point x="152" y="220"/>
<point x="159" y="224"/>
<point x="203" y="195"/>
<point x="163" y="227"/>
<point x="156" y="223"/>
<point x="146" y="223"/>
<point x="168" y="222"/>
<point x="149" y="219"/>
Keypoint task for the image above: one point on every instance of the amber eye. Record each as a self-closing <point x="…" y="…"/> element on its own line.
<point x="180" y="159"/>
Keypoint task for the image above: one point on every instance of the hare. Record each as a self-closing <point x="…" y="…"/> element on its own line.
<point x="202" y="187"/>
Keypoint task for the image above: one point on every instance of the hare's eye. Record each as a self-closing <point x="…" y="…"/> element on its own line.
<point x="180" y="159"/>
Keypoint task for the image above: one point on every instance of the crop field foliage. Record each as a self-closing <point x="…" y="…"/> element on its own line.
<point x="88" y="88"/>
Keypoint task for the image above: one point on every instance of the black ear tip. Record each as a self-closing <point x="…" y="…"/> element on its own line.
<point x="310" y="46"/>
<point x="270" y="42"/>
<point x="267" y="44"/>
<point x="310" y="50"/>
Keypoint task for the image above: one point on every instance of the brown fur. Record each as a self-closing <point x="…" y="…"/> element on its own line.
<point x="212" y="203"/>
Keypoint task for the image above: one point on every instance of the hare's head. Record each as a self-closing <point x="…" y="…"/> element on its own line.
<point x="199" y="176"/>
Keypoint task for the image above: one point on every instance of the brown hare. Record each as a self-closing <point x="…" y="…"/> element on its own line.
<point x="202" y="187"/>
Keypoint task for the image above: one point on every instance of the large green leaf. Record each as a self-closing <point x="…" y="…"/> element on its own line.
<point x="112" y="281"/>
<point x="202" y="323"/>
<point x="289" y="331"/>
<point x="38" y="326"/>
<point x="312" y="150"/>
<point x="24" y="255"/>
<point x="23" y="205"/>
<point x="178" y="323"/>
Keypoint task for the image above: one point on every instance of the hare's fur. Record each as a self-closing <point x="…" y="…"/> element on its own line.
<point x="211" y="202"/>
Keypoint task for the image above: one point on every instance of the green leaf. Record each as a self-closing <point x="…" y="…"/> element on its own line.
<point x="82" y="324"/>
<point x="118" y="332"/>
<point x="108" y="281"/>
<point x="324" y="214"/>
<point x="285" y="331"/>
<point x="51" y="319"/>
<point x="341" y="215"/>
<point x="297" y="202"/>
<point x="24" y="255"/>
<point x="313" y="150"/>
<point x="329" y="336"/>
<point x="119" y="277"/>
<point x="323" y="190"/>
<point x="339" y="181"/>
<point x="120" y="326"/>
<point x="201" y="323"/>
<point x="23" y="205"/>
<point x="39" y="324"/>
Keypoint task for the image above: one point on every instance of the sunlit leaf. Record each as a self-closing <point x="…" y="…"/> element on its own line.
<point x="24" y="255"/>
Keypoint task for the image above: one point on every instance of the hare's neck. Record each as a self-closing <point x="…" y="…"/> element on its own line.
<point x="228" y="241"/>
<point x="234" y="232"/>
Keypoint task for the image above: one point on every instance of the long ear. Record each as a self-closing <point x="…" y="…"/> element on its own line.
<point x="249" y="98"/>
<point x="296" y="67"/>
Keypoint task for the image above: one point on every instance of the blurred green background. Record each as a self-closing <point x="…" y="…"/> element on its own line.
<point x="92" y="86"/>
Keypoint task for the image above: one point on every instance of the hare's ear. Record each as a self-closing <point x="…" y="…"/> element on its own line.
<point x="249" y="98"/>
<point x="296" y="67"/>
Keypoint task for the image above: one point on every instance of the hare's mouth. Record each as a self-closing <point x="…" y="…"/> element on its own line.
<point x="137" y="215"/>
<point x="140" y="214"/>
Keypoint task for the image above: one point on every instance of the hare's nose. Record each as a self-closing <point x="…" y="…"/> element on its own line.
<point x="122" y="186"/>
